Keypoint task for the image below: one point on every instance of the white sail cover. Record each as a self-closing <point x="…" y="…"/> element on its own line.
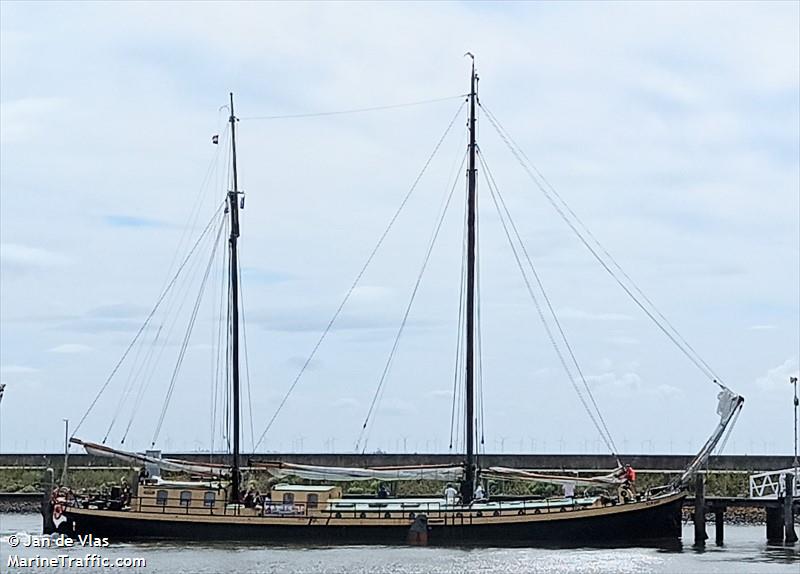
<point x="134" y="458"/>
<point x="345" y="474"/>
<point x="500" y="472"/>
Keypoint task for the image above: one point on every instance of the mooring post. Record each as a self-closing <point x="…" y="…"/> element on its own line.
<point x="48" y="482"/>
<point x="719" y="523"/>
<point x="790" y="535"/>
<point x="775" y="523"/>
<point x="700" y="535"/>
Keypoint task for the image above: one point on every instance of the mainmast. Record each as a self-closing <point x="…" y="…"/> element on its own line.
<point x="233" y="206"/>
<point x="468" y="486"/>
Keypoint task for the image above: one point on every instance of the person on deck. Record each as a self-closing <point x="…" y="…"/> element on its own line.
<point x="249" y="500"/>
<point x="125" y="492"/>
<point x="450" y="494"/>
<point x="480" y="494"/>
<point x="267" y="506"/>
<point x="383" y="492"/>
<point x="630" y="479"/>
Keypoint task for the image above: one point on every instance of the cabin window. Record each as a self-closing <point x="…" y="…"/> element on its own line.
<point x="312" y="501"/>
<point x="186" y="498"/>
<point x="209" y="499"/>
<point x="161" y="497"/>
<point x="288" y="498"/>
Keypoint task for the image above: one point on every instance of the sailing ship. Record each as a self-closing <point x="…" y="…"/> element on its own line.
<point x="209" y="503"/>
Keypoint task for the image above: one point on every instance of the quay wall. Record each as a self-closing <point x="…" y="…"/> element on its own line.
<point x="585" y="462"/>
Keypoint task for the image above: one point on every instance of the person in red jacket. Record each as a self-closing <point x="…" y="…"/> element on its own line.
<point x="628" y="491"/>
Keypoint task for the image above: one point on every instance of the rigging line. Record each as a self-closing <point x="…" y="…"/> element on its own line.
<point x="359" y="276"/>
<point x="216" y="339"/>
<point x="399" y="334"/>
<point x="226" y="389"/>
<point x="604" y="250"/>
<point x="708" y="371"/>
<point x="355" y="110"/>
<point x="242" y="307"/>
<point x="542" y="317"/>
<point x="685" y="349"/>
<point x="146" y="322"/>
<point x="177" y="298"/>
<point x="479" y="337"/>
<point x="144" y="368"/>
<point x="204" y="187"/>
<point x="548" y="302"/>
<point x="729" y="431"/>
<point x="490" y="177"/>
<point x="133" y="374"/>
<point x="459" y="330"/>
<point x="187" y="337"/>
<point x="149" y="364"/>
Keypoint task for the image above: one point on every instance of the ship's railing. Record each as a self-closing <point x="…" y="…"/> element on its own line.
<point x="447" y="513"/>
<point x="216" y="508"/>
<point x="771" y="484"/>
<point x="385" y="509"/>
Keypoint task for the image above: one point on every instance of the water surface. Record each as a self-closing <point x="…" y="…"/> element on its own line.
<point x="744" y="551"/>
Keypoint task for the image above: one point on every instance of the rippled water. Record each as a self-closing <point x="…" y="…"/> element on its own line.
<point x="745" y="551"/>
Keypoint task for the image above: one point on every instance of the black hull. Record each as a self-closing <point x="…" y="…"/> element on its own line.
<point x="658" y="522"/>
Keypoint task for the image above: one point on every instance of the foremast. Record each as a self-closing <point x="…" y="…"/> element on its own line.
<point x="468" y="485"/>
<point x="233" y="207"/>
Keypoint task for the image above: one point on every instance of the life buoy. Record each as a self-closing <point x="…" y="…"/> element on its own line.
<point x="58" y="515"/>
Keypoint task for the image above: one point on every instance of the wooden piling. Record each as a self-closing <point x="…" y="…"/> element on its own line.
<point x="700" y="535"/>
<point x="48" y="481"/>
<point x="788" y="511"/>
<point x="719" y="523"/>
<point x="774" y="523"/>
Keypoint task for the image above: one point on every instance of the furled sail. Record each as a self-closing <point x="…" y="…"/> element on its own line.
<point x="344" y="474"/>
<point x="728" y="407"/>
<point x="169" y="464"/>
<point x="500" y="472"/>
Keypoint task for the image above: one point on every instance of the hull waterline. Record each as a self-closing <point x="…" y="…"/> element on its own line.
<point x="651" y="520"/>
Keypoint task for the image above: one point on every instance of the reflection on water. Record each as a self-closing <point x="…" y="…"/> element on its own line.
<point x="744" y="551"/>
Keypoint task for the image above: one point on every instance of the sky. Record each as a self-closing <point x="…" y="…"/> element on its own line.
<point x="672" y="130"/>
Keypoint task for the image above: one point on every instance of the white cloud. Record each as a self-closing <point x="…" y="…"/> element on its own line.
<point x="762" y="327"/>
<point x="70" y="348"/>
<point x="571" y="313"/>
<point x="17" y="370"/>
<point x="622" y="340"/>
<point x="27" y="119"/>
<point x="629" y="384"/>
<point x="665" y="127"/>
<point x="18" y="257"/>
<point x="345" y="403"/>
<point x="778" y="377"/>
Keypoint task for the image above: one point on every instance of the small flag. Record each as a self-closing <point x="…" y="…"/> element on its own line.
<point x="215" y="139"/>
<point x="2" y="390"/>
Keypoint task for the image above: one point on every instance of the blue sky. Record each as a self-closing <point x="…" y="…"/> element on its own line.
<point x="672" y="129"/>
